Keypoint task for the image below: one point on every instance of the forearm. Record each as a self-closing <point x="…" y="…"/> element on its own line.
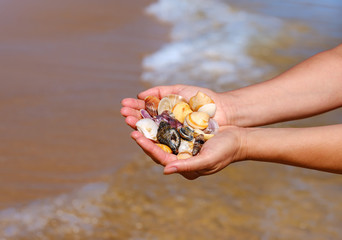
<point x="316" y="148"/>
<point x="312" y="87"/>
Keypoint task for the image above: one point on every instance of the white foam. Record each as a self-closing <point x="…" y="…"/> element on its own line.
<point x="73" y="213"/>
<point x="209" y="45"/>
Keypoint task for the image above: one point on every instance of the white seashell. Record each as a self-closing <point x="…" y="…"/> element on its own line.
<point x="209" y="108"/>
<point x="164" y="105"/>
<point x="168" y="102"/>
<point x="148" y="127"/>
<point x="197" y="120"/>
<point x="186" y="146"/>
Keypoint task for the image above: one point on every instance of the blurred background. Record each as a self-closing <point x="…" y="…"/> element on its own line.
<point x="69" y="169"/>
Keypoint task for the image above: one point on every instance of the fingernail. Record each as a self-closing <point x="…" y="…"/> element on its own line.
<point x="170" y="170"/>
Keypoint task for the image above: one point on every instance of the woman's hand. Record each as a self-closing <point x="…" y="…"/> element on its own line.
<point x="225" y="147"/>
<point x="130" y="106"/>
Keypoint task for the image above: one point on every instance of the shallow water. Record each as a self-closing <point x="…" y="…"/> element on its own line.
<point x="70" y="170"/>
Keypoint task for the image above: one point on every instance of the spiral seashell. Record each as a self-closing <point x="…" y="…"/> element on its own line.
<point x="181" y="110"/>
<point x="199" y="100"/>
<point x="197" y="120"/>
<point x="199" y="141"/>
<point x="186" y="133"/>
<point x="148" y="127"/>
<point x="151" y="105"/>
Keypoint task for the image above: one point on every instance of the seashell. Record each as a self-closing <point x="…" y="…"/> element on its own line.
<point x="164" y="147"/>
<point x="148" y="127"/>
<point x="151" y="105"/>
<point x="209" y="108"/>
<point x="206" y="136"/>
<point x="168" y="136"/>
<point x="199" y="100"/>
<point x="167" y="117"/>
<point x="181" y="110"/>
<point x="186" y="146"/>
<point x="199" y="141"/>
<point x="168" y="102"/>
<point x="174" y="99"/>
<point x="164" y="105"/>
<point x="184" y="155"/>
<point x="197" y="120"/>
<point x="145" y="114"/>
<point x="212" y="127"/>
<point x="186" y="133"/>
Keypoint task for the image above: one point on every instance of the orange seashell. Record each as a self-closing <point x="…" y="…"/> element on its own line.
<point x="197" y="120"/>
<point x="181" y="110"/>
<point x="164" y="147"/>
<point x="151" y="105"/>
<point x="199" y="100"/>
<point x="184" y="155"/>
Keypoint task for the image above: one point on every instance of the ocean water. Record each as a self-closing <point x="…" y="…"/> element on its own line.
<point x="218" y="45"/>
<point x="221" y="45"/>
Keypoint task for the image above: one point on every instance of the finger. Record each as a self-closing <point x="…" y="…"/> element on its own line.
<point x="127" y="111"/>
<point x="133" y="103"/>
<point x="192" y="164"/>
<point x="131" y="121"/>
<point x="152" y="150"/>
<point x="161" y="91"/>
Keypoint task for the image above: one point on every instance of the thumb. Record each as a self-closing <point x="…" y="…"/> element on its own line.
<point x="186" y="165"/>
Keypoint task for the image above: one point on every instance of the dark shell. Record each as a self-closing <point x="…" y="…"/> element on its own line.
<point x="186" y="133"/>
<point x="166" y="116"/>
<point x="199" y="141"/>
<point x="168" y="136"/>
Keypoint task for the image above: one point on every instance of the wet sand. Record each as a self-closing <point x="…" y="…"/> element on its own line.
<point x="65" y="66"/>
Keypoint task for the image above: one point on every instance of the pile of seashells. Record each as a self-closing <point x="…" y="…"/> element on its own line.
<point x="176" y="126"/>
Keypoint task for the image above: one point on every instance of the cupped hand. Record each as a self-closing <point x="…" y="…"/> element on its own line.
<point x="131" y="106"/>
<point x="225" y="147"/>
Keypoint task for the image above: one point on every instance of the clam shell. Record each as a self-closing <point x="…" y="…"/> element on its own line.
<point x="184" y="155"/>
<point x="212" y="127"/>
<point x="186" y="146"/>
<point x="181" y="110"/>
<point x="148" y="127"/>
<point x="151" y="105"/>
<point x="164" y="147"/>
<point x="168" y="102"/>
<point x="145" y="114"/>
<point x="209" y="108"/>
<point x="199" y="100"/>
<point x="197" y="120"/>
<point x="174" y="99"/>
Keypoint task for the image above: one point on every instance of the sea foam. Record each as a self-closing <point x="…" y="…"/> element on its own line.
<point x="210" y="44"/>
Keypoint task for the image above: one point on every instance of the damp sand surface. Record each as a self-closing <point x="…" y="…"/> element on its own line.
<point x="65" y="66"/>
<point x="69" y="169"/>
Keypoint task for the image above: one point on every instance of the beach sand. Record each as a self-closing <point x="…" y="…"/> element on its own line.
<point x="65" y="66"/>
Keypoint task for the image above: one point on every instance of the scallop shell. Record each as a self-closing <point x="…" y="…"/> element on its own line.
<point x="164" y="147"/>
<point x="209" y="108"/>
<point x="148" y="127"/>
<point x="181" y="110"/>
<point x="151" y="105"/>
<point x="199" y="100"/>
<point x="168" y="102"/>
<point x="197" y="120"/>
